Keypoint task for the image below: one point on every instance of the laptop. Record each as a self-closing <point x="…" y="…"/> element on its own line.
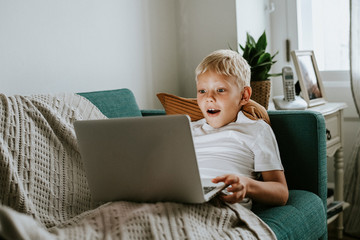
<point x="142" y="159"/>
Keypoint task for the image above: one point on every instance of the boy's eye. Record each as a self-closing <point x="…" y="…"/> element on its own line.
<point x="221" y="90"/>
<point x="202" y="91"/>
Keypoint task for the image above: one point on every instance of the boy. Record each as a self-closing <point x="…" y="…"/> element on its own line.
<point x="230" y="147"/>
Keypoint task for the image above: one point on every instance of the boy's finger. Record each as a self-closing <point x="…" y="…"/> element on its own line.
<point x="231" y="179"/>
<point x="232" y="198"/>
<point x="235" y="187"/>
<point x="216" y="180"/>
<point x="219" y="179"/>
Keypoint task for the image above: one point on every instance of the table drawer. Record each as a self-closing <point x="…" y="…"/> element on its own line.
<point x="333" y="129"/>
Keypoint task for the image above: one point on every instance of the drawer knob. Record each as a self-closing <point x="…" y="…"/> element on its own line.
<point x="328" y="134"/>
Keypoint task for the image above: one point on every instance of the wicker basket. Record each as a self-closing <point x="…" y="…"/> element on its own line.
<point x="261" y="92"/>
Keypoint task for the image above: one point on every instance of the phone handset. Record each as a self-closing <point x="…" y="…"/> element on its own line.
<point x="288" y="84"/>
<point x="289" y="100"/>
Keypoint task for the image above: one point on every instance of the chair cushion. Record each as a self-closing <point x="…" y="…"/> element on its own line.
<point x="114" y="103"/>
<point x="303" y="217"/>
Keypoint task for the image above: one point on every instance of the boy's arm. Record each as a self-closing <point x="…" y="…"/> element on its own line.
<point x="272" y="191"/>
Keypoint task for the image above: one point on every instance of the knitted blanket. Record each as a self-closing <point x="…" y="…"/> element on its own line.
<point x="44" y="192"/>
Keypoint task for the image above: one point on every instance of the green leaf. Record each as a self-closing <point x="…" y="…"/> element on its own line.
<point x="242" y="48"/>
<point x="255" y="58"/>
<point x="275" y="54"/>
<point x="265" y="57"/>
<point x="261" y="43"/>
<point x="250" y="40"/>
<point x="275" y="74"/>
<point x="248" y="52"/>
<point x="263" y="64"/>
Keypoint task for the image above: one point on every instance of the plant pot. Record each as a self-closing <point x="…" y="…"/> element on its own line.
<point x="261" y="92"/>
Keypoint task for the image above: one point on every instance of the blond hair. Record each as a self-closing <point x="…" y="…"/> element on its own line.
<point x="228" y="63"/>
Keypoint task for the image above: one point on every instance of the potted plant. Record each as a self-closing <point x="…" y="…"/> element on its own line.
<point x="260" y="62"/>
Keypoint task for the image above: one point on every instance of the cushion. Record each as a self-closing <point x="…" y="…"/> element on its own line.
<point x="114" y="103"/>
<point x="178" y="105"/>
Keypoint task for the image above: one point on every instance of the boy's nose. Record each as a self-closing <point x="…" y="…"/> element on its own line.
<point x="210" y="97"/>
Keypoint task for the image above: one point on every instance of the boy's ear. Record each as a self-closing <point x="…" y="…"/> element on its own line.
<point x="246" y="95"/>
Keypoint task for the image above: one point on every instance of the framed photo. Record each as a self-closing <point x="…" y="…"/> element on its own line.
<point x="312" y="89"/>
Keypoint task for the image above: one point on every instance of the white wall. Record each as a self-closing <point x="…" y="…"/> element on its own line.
<point x="283" y="27"/>
<point x="253" y="18"/>
<point x="203" y="26"/>
<point x="149" y="46"/>
<point x="87" y="45"/>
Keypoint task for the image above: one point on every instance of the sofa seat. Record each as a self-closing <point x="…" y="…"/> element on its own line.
<point x="298" y="219"/>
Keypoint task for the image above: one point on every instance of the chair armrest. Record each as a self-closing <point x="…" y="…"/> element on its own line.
<point x="301" y="137"/>
<point x="152" y="112"/>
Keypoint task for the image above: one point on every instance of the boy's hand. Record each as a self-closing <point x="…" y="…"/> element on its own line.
<point x="237" y="187"/>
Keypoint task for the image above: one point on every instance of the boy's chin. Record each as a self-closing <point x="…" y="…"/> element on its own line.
<point x="216" y="124"/>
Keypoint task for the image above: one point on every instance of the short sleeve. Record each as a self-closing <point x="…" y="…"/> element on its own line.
<point x="266" y="150"/>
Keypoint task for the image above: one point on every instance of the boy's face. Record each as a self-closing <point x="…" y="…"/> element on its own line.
<point x="219" y="98"/>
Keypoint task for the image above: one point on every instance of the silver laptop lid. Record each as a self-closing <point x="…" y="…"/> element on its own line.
<point x="143" y="159"/>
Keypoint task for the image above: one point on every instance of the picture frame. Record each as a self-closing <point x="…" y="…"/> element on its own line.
<point x="311" y="85"/>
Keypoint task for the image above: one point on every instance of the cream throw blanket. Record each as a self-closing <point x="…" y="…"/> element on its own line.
<point x="44" y="192"/>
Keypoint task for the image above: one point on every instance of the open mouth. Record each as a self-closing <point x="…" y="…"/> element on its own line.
<point x="213" y="111"/>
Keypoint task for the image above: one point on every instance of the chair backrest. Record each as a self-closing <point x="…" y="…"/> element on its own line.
<point x="114" y="103"/>
<point x="301" y="136"/>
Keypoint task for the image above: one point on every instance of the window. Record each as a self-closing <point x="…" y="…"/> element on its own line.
<point x="324" y="27"/>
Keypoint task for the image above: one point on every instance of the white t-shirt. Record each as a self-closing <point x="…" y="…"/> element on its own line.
<point x="245" y="147"/>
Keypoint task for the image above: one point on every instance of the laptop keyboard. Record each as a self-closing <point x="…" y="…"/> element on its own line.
<point x="208" y="189"/>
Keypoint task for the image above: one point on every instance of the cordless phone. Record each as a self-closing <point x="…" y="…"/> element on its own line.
<point x="289" y="100"/>
<point x="288" y="84"/>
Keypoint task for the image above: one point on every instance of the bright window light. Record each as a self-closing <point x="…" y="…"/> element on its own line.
<point x="325" y="29"/>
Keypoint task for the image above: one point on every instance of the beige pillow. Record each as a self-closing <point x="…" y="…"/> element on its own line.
<point x="179" y="105"/>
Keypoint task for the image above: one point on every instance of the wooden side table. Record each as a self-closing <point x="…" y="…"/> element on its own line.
<point x="334" y="120"/>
